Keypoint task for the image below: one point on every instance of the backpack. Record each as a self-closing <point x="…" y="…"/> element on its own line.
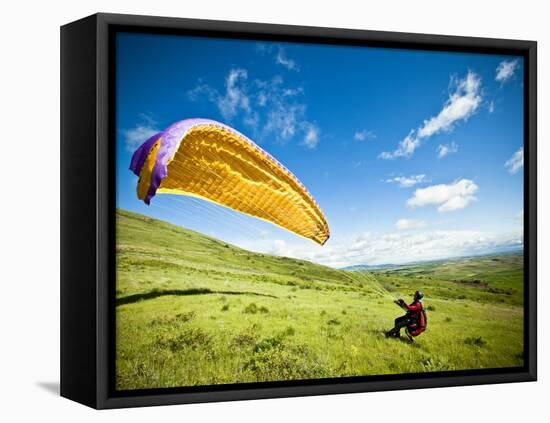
<point x="416" y="329"/>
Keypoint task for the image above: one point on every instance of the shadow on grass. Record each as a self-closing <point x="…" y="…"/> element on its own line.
<point x="402" y="338"/>
<point x="181" y="292"/>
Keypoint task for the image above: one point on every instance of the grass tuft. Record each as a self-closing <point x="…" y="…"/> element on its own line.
<point x="476" y="341"/>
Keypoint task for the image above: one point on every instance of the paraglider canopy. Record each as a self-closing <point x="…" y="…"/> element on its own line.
<point x="207" y="159"/>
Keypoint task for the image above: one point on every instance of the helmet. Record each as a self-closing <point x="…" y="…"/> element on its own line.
<point x="418" y="295"/>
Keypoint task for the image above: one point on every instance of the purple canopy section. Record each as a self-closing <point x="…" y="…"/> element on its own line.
<point x="169" y="142"/>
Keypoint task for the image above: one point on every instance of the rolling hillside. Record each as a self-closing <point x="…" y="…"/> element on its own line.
<point x="193" y="310"/>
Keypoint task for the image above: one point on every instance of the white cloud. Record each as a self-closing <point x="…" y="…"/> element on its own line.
<point x="140" y="133"/>
<point x="462" y="103"/>
<point x="506" y="70"/>
<point x="278" y="247"/>
<point x="448" y="197"/>
<point x="283" y="120"/>
<point x="267" y="107"/>
<point x="202" y="90"/>
<point x="282" y="59"/>
<point x="235" y="97"/>
<point x="311" y="138"/>
<point x="516" y="162"/>
<point x="406" y="224"/>
<point x="444" y="150"/>
<point x="405" y="148"/>
<point x="280" y="55"/>
<point x="393" y="247"/>
<point x="364" y="135"/>
<point x="407" y="181"/>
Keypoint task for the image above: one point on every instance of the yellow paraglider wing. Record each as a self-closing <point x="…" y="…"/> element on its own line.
<point x="206" y="159"/>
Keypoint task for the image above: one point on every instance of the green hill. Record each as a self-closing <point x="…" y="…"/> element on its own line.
<point x="193" y="310"/>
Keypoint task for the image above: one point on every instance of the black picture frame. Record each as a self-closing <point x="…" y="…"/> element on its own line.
<point x="88" y="204"/>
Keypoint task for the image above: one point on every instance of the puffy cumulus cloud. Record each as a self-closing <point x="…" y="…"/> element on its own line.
<point x="406" y="147"/>
<point x="506" y="70"/>
<point x="443" y="150"/>
<point x="267" y="107"/>
<point x="407" y="224"/>
<point x="462" y="103"/>
<point x="412" y="246"/>
<point x="408" y="181"/>
<point x="397" y="248"/>
<point x="515" y="164"/>
<point x="448" y="197"/>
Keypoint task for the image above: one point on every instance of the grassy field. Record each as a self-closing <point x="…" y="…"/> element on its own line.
<point x="192" y="310"/>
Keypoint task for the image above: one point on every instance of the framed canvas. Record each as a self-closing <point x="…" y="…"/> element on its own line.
<point x="257" y="211"/>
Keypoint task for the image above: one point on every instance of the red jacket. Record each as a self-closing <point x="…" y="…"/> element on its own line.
<point x="414" y="308"/>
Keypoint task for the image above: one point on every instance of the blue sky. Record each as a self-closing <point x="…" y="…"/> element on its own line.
<point x="411" y="155"/>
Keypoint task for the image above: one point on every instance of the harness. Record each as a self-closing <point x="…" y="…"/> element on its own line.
<point x="419" y="323"/>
